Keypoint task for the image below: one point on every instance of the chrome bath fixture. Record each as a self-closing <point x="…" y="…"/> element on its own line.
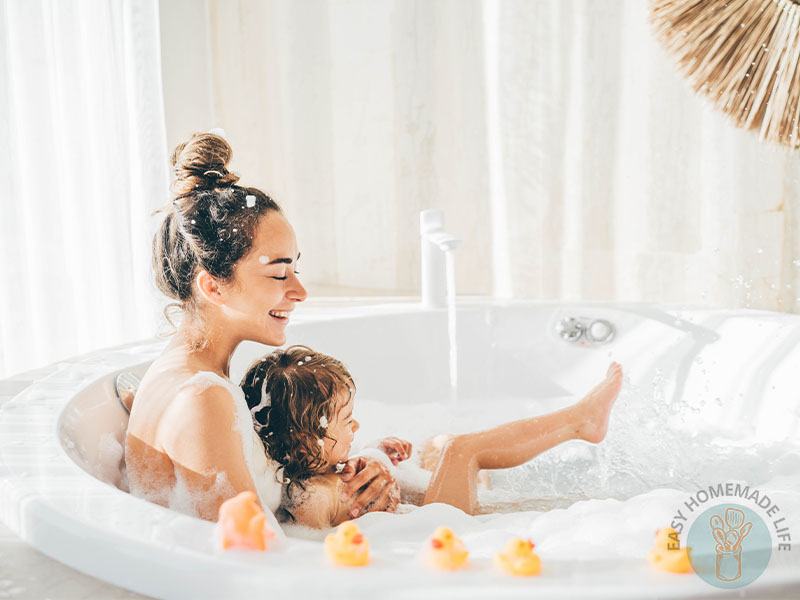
<point x="593" y="331"/>
<point x="435" y="243"/>
<point x="126" y="385"/>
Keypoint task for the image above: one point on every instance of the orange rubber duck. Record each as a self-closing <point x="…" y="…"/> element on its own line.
<point x="446" y="551"/>
<point x="243" y="523"/>
<point x="666" y="555"/>
<point x="518" y="558"/>
<point x="347" y="546"/>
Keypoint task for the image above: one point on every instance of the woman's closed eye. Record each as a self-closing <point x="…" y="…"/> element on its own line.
<point x="285" y="276"/>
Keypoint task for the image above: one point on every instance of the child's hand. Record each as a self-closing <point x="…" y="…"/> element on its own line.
<point x="396" y="449"/>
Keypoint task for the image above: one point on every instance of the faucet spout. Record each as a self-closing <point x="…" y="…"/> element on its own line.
<point x="444" y="241"/>
<point x="435" y="243"/>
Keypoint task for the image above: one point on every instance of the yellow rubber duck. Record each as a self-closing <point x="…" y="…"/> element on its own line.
<point x="518" y="558"/>
<point x="666" y="555"/>
<point x="446" y="551"/>
<point x="243" y="523"/>
<point x="347" y="546"/>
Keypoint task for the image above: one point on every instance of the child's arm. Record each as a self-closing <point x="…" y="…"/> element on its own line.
<point x="396" y="449"/>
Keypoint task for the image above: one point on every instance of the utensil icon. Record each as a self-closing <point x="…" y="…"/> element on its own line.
<point x="731" y="539"/>
<point x="719" y="536"/>
<point x="716" y="522"/>
<point x="745" y="530"/>
<point x="734" y="518"/>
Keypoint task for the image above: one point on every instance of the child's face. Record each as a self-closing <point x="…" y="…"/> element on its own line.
<point x="341" y="429"/>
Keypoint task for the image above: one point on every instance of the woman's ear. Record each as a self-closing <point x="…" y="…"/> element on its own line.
<point x="209" y="287"/>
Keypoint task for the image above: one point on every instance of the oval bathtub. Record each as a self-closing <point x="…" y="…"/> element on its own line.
<point x="710" y="397"/>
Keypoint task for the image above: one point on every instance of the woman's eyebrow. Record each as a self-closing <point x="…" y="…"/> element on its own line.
<point x="287" y="261"/>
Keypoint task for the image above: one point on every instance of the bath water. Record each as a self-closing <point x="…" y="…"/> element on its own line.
<point x="578" y="502"/>
<point x="649" y="445"/>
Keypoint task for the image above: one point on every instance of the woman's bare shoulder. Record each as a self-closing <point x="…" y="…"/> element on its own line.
<point x="203" y="391"/>
<point x="199" y="409"/>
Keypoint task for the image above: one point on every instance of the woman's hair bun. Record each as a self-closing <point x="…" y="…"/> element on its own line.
<point x="202" y="163"/>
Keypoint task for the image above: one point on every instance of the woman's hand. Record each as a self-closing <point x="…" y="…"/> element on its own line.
<point x="395" y="448"/>
<point x="378" y="488"/>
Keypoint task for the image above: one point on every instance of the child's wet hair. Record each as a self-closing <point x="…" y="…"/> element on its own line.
<point x="293" y="394"/>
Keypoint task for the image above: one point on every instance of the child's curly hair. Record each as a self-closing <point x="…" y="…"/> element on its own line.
<point x="292" y="395"/>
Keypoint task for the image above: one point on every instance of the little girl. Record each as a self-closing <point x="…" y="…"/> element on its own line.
<point x="302" y="407"/>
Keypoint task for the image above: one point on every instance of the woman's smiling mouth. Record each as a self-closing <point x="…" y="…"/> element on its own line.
<point x="281" y="315"/>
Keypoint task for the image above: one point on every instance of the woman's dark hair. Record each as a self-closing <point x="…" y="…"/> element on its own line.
<point x="293" y="394"/>
<point x="210" y="223"/>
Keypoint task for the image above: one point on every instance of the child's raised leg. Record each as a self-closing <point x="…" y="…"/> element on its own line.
<point x="515" y="443"/>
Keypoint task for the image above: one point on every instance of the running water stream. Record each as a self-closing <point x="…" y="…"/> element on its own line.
<point x="451" y="325"/>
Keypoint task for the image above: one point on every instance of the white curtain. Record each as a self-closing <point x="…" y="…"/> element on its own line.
<point x="82" y="166"/>
<point x="564" y="147"/>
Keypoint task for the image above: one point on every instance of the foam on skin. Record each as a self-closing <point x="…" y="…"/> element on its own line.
<point x="264" y="472"/>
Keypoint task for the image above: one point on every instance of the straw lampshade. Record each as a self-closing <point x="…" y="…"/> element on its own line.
<point x="742" y="54"/>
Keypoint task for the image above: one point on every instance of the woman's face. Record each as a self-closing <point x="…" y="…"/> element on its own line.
<point x="265" y="286"/>
<point x="341" y="431"/>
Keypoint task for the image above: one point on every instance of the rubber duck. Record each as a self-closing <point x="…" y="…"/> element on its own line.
<point x="666" y="555"/>
<point x="347" y="546"/>
<point x="243" y="523"/>
<point x="518" y="558"/>
<point x="446" y="551"/>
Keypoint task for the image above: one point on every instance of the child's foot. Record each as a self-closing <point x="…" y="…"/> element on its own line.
<point x="598" y="403"/>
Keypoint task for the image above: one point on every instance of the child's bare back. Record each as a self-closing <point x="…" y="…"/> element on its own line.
<point x="319" y="505"/>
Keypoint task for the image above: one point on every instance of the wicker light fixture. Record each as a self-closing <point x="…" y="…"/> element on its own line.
<point x="742" y="54"/>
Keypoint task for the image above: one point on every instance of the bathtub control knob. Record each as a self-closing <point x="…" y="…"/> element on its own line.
<point x="600" y="332"/>
<point x="126" y="385"/>
<point x="570" y="329"/>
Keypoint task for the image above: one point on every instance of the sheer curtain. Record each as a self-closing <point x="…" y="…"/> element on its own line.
<point x="565" y="149"/>
<point x="621" y="183"/>
<point x="83" y="165"/>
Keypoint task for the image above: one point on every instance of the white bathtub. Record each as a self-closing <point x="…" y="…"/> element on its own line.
<point x="725" y="379"/>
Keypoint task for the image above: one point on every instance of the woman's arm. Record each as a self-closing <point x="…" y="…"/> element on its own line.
<point x="205" y="446"/>
<point x="321" y="504"/>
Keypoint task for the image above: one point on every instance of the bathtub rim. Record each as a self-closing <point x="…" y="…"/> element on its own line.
<point x="35" y="517"/>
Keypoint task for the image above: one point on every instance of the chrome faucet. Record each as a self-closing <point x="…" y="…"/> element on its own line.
<point x="594" y="331"/>
<point x="435" y="243"/>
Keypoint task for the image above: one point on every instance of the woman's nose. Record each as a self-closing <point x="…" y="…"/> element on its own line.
<point x="356" y="425"/>
<point x="296" y="293"/>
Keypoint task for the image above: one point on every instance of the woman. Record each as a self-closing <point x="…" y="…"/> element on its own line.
<point x="228" y="257"/>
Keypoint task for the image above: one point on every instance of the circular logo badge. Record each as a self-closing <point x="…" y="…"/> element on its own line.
<point x="730" y="546"/>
